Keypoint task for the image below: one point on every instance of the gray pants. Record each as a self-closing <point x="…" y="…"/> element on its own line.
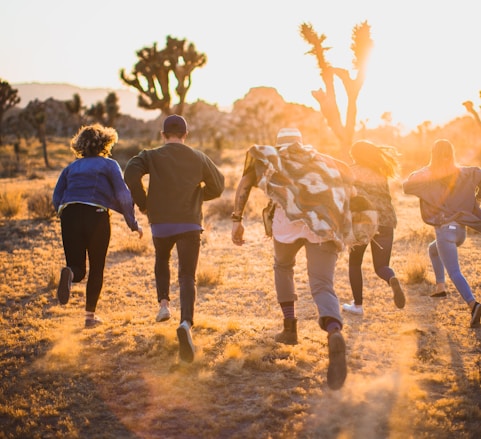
<point x="321" y="264"/>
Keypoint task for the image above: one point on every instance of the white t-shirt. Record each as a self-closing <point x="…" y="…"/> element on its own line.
<point x="287" y="231"/>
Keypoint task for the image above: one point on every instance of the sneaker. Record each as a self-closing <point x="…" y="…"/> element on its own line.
<point x="475" y="315"/>
<point x="337" y="369"/>
<point x="64" y="285"/>
<point x="399" y="298"/>
<point x="164" y="314"/>
<point x="353" y="308"/>
<point x="438" y="294"/>
<point x="91" y="322"/>
<point x="186" y="347"/>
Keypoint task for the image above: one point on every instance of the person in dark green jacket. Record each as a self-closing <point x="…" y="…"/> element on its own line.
<point x="180" y="180"/>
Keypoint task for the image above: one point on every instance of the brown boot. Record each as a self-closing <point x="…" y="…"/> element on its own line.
<point x="289" y="334"/>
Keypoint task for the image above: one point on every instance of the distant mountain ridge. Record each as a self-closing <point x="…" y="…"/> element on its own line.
<point x="63" y="92"/>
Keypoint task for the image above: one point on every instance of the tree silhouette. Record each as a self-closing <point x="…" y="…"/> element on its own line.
<point x="361" y="47"/>
<point x="8" y="99"/>
<point x="112" y="109"/>
<point x="36" y="116"/>
<point x="470" y="108"/>
<point x="152" y="74"/>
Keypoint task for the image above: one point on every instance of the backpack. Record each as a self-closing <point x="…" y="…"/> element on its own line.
<point x="364" y="220"/>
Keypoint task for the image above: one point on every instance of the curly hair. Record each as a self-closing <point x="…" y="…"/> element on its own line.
<point x="381" y="159"/>
<point x="94" y="140"/>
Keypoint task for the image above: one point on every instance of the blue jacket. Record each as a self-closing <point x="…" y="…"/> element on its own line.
<point x="97" y="181"/>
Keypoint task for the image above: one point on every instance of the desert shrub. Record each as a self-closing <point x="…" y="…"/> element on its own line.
<point x="220" y="208"/>
<point x="208" y="276"/>
<point x="40" y="204"/>
<point x="416" y="267"/>
<point x="135" y="246"/>
<point x="10" y="203"/>
<point x="9" y="167"/>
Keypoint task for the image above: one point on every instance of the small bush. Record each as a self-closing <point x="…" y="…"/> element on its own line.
<point x="40" y="204"/>
<point x="416" y="267"/>
<point x="10" y="203"/>
<point x="221" y="208"/>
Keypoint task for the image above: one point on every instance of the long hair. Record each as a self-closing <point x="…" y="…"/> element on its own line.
<point x="443" y="161"/>
<point x="381" y="159"/>
<point x="443" y="164"/>
<point x="94" y="140"/>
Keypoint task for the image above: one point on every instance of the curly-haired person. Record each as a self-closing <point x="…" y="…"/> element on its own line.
<point x="85" y="192"/>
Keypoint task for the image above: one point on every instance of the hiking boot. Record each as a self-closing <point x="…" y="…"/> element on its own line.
<point x="289" y="334"/>
<point x="164" y="314"/>
<point x="91" y="322"/>
<point x="399" y="298"/>
<point x="337" y="369"/>
<point x="186" y="347"/>
<point x="475" y="315"/>
<point x="353" y="308"/>
<point x="64" y="285"/>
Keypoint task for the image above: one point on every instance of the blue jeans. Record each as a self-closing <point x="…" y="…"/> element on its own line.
<point x="444" y="255"/>
<point x="381" y="247"/>
<point x="188" y="247"/>
<point x="321" y="264"/>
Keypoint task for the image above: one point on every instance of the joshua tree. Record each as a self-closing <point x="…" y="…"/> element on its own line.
<point x="36" y="116"/>
<point x="470" y="108"/>
<point x="152" y="74"/>
<point x="8" y="99"/>
<point x="361" y="47"/>
<point x="112" y="109"/>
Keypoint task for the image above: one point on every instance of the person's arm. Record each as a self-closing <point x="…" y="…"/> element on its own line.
<point x="213" y="180"/>
<point x="416" y="183"/>
<point x="123" y="198"/>
<point x="59" y="189"/>
<point x="243" y="190"/>
<point x="134" y="171"/>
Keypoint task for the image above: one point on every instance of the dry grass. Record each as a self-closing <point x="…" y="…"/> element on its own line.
<point x="412" y="373"/>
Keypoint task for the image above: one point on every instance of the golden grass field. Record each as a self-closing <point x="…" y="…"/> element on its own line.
<point x="412" y="373"/>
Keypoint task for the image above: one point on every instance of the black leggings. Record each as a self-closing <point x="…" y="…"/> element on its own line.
<point x="381" y="247"/>
<point x="86" y="231"/>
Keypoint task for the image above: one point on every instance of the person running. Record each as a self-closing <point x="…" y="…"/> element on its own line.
<point x="373" y="166"/>
<point x="447" y="194"/>
<point x="85" y="191"/>
<point x="311" y="193"/>
<point x="181" y="178"/>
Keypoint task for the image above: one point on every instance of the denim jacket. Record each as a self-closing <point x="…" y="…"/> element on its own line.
<point x="97" y="181"/>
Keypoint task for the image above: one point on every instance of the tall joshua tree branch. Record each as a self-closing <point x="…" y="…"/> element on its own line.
<point x="361" y="47"/>
<point x="470" y="108"/>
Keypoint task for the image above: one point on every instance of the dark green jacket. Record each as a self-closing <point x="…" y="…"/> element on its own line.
<point x="180" y="179"/>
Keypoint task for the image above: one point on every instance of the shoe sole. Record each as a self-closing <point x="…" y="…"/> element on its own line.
<point x="186" y="347"/>
<point x="399" y="299"/>
<point x="337" y="369"/>
<point x="476" y="316"/>
<point x="63" y="291"/>
<point x="92" y="324"/>
<point x="163" y="319"/>
<point x="355" y="313"/>
<point x="439" y="295"/>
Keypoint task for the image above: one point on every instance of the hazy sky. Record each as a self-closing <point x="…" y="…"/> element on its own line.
<point x="426" y="60"/>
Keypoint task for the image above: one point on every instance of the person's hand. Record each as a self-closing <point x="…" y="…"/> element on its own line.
<point x="140" y="232"/>
<point x="238" y="233"/>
